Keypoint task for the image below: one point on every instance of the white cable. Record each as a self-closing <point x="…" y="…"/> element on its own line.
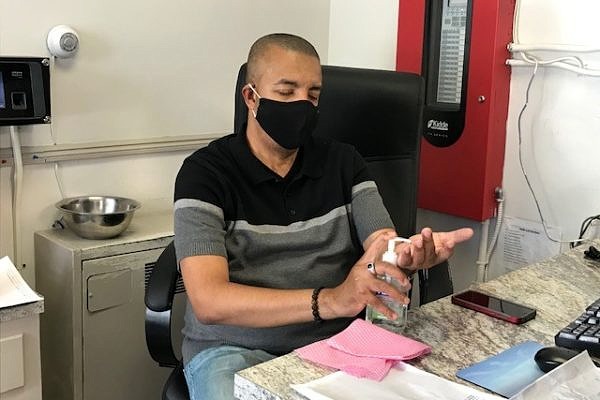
<point x="560" y="62"/>
<point x="482" y="251"/>
<point x="567" y="48"/>
<point x="53" y="138"/>
<point x="52" y="68"/>
<point x="562" y="65"/>
<point x="520" y="152"/>
<point x="499" y="218"/>
<point x="492" y="245"/>
<point x="485" y="249"/>
<point x="534" y="60"/>
<point x="52" y="135"/>
<point x="17" y="183"/>
<point x="58" y="182"/>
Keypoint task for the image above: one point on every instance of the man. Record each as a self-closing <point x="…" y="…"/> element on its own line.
<point x="266" y="226"/>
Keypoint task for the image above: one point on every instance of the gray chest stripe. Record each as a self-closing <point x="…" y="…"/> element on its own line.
<point x="291" y="228"/>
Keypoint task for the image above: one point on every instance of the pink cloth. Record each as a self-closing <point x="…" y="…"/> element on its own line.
<point x="364" y="339"/>
<point x="362" y="367"/>
<point x="363" y="350"/>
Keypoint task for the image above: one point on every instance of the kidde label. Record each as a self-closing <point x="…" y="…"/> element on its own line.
<point x="437" y="125"/>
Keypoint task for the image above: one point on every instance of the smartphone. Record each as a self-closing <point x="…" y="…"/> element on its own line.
<point x="494" y="306"/>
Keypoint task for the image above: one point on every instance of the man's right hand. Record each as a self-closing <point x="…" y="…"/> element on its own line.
<point x="361" y="285"/>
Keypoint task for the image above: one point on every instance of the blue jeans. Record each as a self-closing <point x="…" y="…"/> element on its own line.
<point x="209" y="374"/>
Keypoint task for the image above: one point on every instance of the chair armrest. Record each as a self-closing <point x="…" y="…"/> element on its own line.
<point x="435" y="283"/>
<point x="159" y="300"/>
<point x="163" y="280"/>
<point x="158" y="338"/>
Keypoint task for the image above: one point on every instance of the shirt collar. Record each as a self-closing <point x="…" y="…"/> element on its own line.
<point x="311" y="157"/>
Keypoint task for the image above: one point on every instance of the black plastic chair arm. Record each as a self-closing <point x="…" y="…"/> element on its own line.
<point x="159" y="300"/>
<point x="435" y="283"/>
<point x="158" y="338"/>
<point x="163" y="281"/>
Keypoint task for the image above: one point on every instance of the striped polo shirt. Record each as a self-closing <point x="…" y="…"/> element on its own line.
<point x="301" y="231"/>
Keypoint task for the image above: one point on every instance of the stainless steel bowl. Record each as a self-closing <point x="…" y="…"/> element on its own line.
<point x="98" y="217"/>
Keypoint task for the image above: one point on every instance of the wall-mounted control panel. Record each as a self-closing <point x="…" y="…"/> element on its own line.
<point x="24" y="90"/>
<point x="460" y="48"/>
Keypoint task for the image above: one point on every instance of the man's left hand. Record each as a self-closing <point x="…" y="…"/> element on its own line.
<point x="430" y="248"/>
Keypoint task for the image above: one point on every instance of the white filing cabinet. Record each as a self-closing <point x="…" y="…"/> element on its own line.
<point x="93" y="342"/>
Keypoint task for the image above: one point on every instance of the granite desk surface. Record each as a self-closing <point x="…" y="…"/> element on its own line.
<point x="21" y="311"/>
<point x="558" y="288"/>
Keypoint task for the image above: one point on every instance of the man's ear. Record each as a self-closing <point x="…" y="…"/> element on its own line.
<point x="249" y="98"/>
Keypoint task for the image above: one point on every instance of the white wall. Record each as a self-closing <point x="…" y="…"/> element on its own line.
<point x="145" y="69"/>
<point x="363" y="35"/>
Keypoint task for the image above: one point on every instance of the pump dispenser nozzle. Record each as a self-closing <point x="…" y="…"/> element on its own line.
<point x="390" y="255"/>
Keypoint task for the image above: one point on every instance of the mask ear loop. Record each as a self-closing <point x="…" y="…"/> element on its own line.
<point x="256" y="93"/>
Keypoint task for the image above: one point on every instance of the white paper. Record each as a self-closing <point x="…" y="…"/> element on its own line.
<point x="13" y="289"/>
<point x="523" y="242"/>
<point x="576" y="379"/>
<point x="403" y="382"/>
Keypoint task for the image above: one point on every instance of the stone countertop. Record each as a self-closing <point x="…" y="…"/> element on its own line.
<point x="558" y="288"/>
<point x="21" y="311"/>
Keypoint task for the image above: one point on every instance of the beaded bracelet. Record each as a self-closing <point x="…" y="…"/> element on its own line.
<point x="315" y="304"/>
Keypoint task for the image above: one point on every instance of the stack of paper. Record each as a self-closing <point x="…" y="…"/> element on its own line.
<point x="404" y="382"/>
<point x="13" y="289"/>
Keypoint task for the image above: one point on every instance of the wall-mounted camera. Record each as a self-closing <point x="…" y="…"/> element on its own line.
<point x="63" y="41"/>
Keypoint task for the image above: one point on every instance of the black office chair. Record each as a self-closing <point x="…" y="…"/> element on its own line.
<point x="379" y="113"/>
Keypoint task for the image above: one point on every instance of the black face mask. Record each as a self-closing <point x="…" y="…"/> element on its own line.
<point x="289" y="124"/>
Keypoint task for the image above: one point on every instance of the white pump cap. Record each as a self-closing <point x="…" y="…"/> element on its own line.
<point x="390" y="255"/>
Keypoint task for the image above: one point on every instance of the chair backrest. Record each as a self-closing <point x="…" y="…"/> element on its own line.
<point x="379" y="113"/>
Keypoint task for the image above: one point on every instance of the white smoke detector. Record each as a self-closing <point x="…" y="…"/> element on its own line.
<point x="63" y="41"/>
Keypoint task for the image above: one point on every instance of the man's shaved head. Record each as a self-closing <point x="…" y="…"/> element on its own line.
<point x="282" y="40"/>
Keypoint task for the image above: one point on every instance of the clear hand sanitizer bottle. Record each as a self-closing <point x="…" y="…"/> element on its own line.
<point x="400" y="309"/>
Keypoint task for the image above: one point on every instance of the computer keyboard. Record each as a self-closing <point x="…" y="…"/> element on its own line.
<point x="584" y="332"/>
